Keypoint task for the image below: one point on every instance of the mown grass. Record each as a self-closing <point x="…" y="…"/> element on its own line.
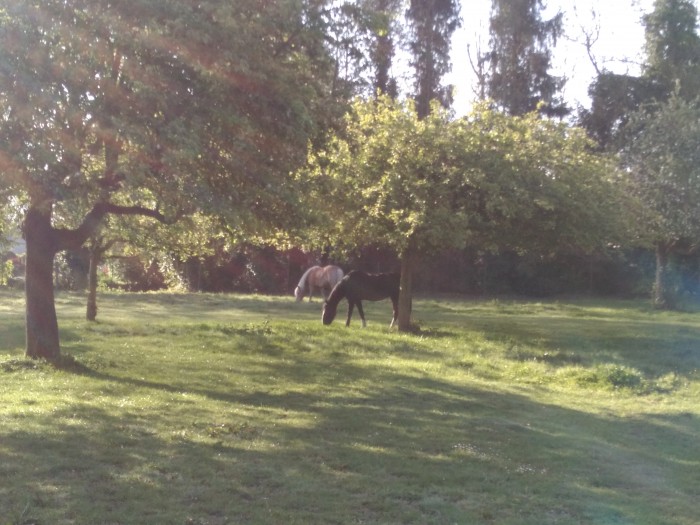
<point x="227" y="409"/>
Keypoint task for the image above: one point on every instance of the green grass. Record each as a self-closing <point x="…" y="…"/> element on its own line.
<point x="231" y="409"/>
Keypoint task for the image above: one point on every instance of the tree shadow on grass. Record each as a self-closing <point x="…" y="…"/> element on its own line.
<point x="396" y="448"/>
<point x="12" y="336"/>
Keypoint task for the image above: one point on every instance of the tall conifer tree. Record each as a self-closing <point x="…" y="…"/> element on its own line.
<point x="432" y="23"/>
<point x="520" y="57"/>
<point x="385" y="37"/>
<point x="672" y="46"/>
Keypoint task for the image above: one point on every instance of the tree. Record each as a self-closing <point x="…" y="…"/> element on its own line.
<point x="519" y="79"/>
<point x="662" y="157"/>
<point x="432" y="23"/>
<point x="123" y="237"/>
<point x="488" y="181"/>
<point x="672" y="47"/>
<point x="614" y="97"/>
<point x="362" y="36"/>
<point x="150" y="108"/>
<point x="385" y="31"/>
<point x="671" y="67"/>
<point x="648" y="120"/>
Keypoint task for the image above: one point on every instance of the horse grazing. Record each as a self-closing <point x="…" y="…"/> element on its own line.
<point x="317" y="279"/>
<point x="357" y="286"/>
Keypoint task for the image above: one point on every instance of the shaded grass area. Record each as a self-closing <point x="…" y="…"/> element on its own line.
<point x="218" y="409"/>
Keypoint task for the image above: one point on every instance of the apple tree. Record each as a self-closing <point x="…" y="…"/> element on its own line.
<point x="662" y="159"/>
<point x="150" y="108"/>
<point x="488" y="181"/>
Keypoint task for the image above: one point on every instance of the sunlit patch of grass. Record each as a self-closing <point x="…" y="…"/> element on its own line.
<point x="216" y="409"/>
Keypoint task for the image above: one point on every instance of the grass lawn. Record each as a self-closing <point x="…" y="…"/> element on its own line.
<point x="231" y="409"/>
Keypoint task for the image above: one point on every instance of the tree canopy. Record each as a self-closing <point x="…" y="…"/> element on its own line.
<point x="82" y="79"/>
<point x="488" y="180"/>
<point x="663" y="161"/>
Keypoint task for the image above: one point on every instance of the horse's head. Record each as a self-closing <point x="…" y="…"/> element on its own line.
<point x="328" y="313"/>
<point x="298" y="294"/>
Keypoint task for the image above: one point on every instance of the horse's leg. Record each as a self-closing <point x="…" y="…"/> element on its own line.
<point x="362" y="314"/>
<point x="351" y="305"/>
<point x="395" y="306"/>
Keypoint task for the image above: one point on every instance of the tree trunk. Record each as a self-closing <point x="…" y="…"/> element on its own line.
<point x="95" y="258"/>
<point x="408" y="261"/>
<point x="41" y="322"/>
<point x="43" y="243"/>
<point x="662" y="296"/>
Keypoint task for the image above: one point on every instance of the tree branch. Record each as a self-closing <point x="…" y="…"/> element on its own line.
<point x="479" y="70"/>
<point x="136" y="210"/>
<point x="74" y="239"/>
<point x="590" y="38"/>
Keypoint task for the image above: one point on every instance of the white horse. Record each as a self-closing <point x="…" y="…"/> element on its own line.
<point x="318" y="279"/>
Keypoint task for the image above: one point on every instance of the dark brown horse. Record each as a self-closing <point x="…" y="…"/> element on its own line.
<point x="357" y="286"/>
<point x="319" y="280"/>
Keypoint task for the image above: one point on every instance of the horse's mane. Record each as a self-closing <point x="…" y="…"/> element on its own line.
<point x="337" y="294"/>
<point x="304" y="278"/>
